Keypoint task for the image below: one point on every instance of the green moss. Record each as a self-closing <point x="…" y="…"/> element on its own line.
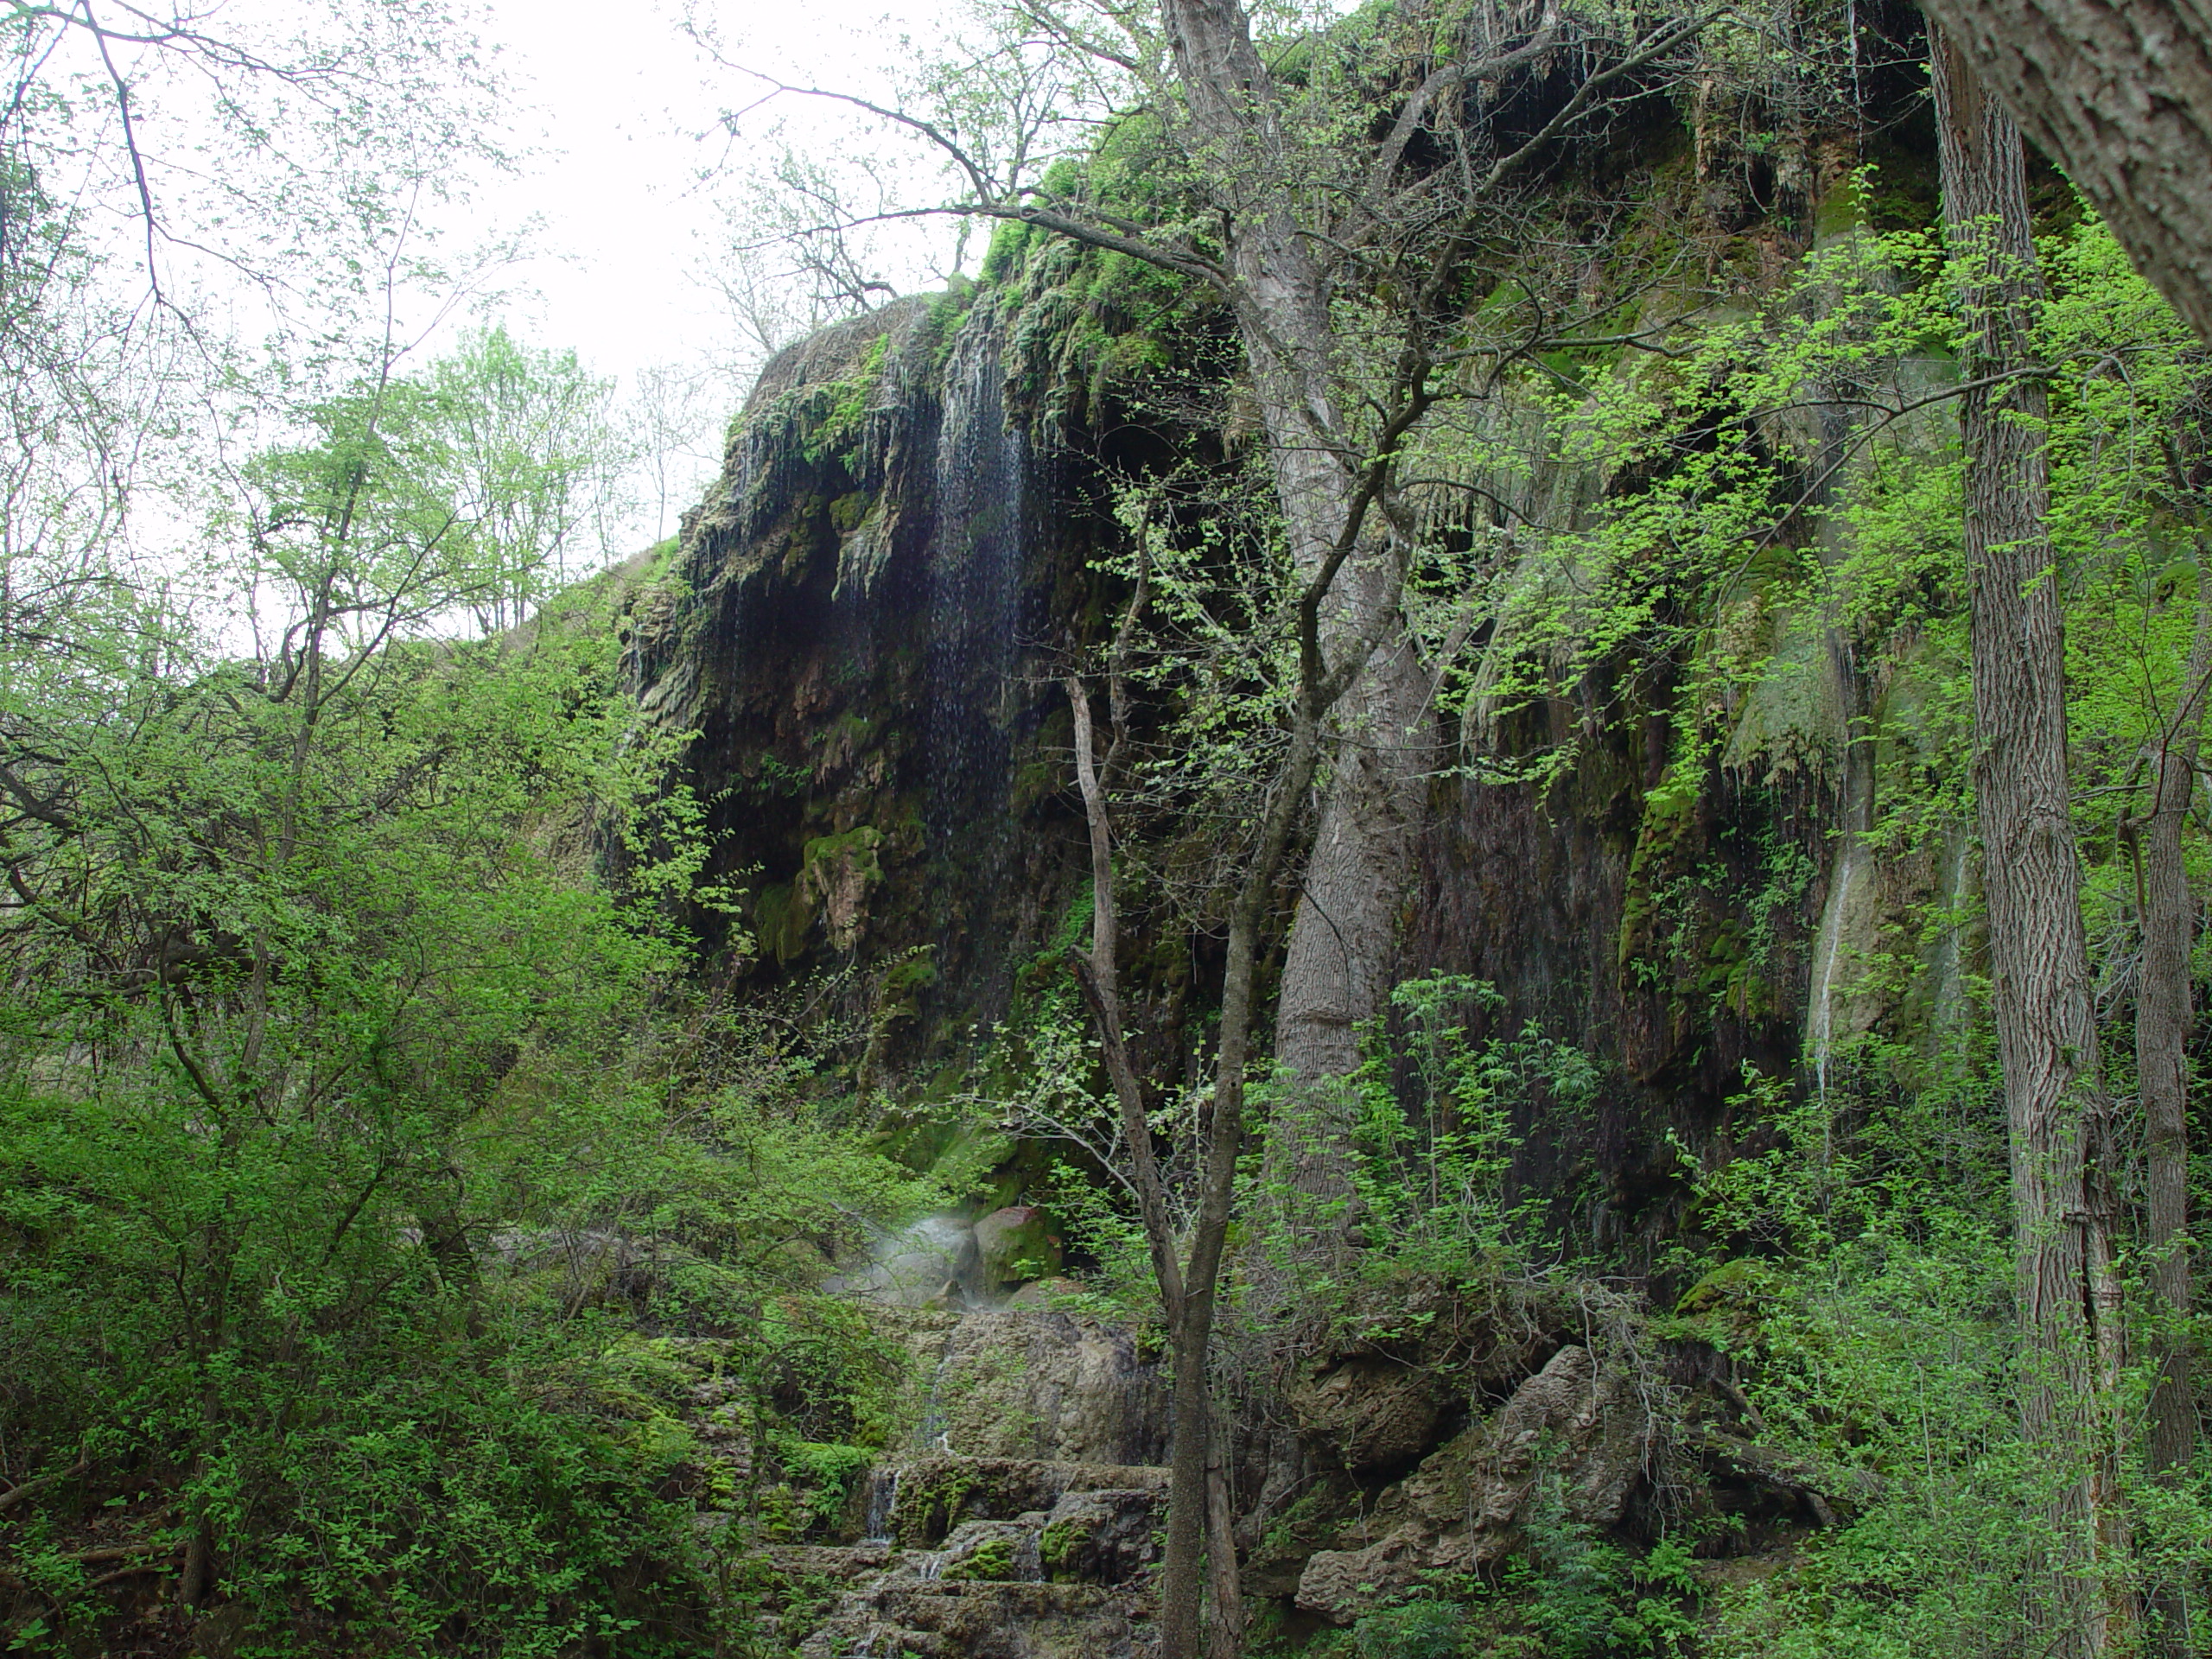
<point x="933" y="1500"/>
<point x="781" y="916"/>
<point x="858" y="844"/>
<point x="1057" y="1548"/>
<point x="1725" y="1309"/>
<point x="1036" y="782"/>
<point x="992" y="1563"/>
<point x="1669" y="827"/>
<point x="819" y="1476"/>
<point x="1009" y="246"/>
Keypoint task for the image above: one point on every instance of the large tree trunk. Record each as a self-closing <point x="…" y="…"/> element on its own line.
<point x="1355" y="876"/>
<point x="2161" y="1021"/>
<point x="2120" y="93"/>
<point x="2046" y="1032"/>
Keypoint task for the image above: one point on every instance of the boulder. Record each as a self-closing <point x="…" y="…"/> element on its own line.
<point x="1030" y="1384"/>
<point x="1575" y="1422"/>
<point x="1015" y="1245"/>
<point x="1373" y="1413"/>
<point x="1104" y="1536"/>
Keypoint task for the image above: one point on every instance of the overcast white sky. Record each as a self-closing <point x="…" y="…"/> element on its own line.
<point x="614" y="180"/>
<point x="616" y="94"/>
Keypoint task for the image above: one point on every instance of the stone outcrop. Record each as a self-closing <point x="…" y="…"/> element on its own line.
<point x="1578" y="1424"/>
<point x="985" y="1621"/>
<point x="1024" y="1560"/>
<point x="1038" y="1384"/>
<point x="1015" y="1245"/>
<point x="1372" y="1413"/>
<point x="1034" y="1539"/>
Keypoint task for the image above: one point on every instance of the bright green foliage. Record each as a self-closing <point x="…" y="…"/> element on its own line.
<point x="1564" y="1595"/>
<point x="1432" y="1174"/>
<point x="352" y="1101"/>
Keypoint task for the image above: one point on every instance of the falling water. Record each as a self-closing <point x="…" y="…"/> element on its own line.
<point x="1827" y="953"/>
<point x="932" y="1433"/>
<point x="882" y="1505"/>
<point x="1831" y="947"/>
<point x="974" y="601"/>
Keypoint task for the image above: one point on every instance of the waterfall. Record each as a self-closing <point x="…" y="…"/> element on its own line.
<point x="1842" y="935"/>
<point x="974" y="624"/>
<point x="882" y="1504"/>
<point x="932" y="1433"/>
<point x="1828" y="955"/>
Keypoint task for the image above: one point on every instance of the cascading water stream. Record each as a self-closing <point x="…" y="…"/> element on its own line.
<point x="975" y="624"/>
<point x="882" y="1505"/>
<point x="1835" y="946"/>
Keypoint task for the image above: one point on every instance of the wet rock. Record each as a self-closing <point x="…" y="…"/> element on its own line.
<point x="1042" y="1293"/>
<point x="1005" y="1559"/>
<point x="936" y="1495"/>
<point x="962" y="1620"/>
<point x="989" y="1552"/>
<point x="1037" y="1385"/>
<point x="1101" y="1536"/>
<point x="849" y="1562"/>
<point x="1015" y="1245"/>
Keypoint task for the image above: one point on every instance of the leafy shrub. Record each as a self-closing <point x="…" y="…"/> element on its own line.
<point x="1416" y="1630"/>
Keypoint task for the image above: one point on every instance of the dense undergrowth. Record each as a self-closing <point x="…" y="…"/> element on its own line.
<point x="386" y="1180"/>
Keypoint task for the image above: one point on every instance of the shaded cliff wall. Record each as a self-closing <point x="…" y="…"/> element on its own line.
<point x="869" y="609"/>
<point x="858" y="629"/>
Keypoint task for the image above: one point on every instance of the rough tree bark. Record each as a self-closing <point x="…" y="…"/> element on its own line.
<point x="1341" y="937"/>
<point x="2162" y="1022"/>
<point x="2119" y="92"/>
<point x="2046" y="1032"/>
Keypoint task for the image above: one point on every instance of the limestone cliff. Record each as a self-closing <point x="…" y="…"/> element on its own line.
<point x="866" y="614"/>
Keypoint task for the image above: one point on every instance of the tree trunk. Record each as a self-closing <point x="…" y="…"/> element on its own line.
<point x="2161" y="1021"/>
<point x="2119" y="92"/>
<point x="1224" y="1588"/>
<point x="2046" y="1032"/>
<point x="1354" y="878"/>
<point x="1188" y="1285"/>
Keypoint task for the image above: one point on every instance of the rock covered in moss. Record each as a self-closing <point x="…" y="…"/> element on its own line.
<point x="1016" y="1244"/>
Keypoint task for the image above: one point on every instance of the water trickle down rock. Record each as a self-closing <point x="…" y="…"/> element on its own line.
<point x="974" y="629"/>
<point x="1023" y="1525"/>
<point x="930" y="1263"/>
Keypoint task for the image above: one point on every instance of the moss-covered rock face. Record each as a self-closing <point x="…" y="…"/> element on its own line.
<point x="858" y="624"/>
<point x="864" y="620"/>
<point x="1016" y="1245"/>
